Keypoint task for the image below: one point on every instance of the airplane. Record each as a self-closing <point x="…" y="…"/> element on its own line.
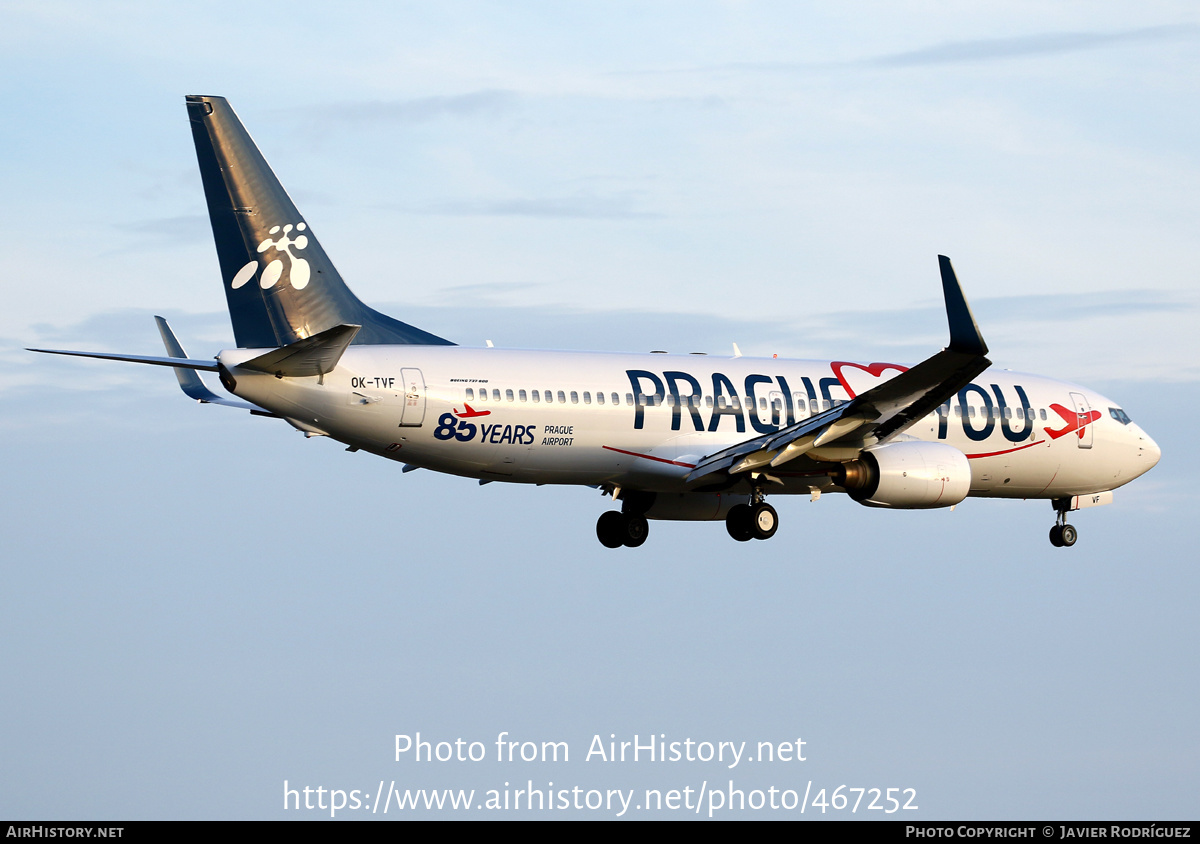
<point x="670" y="437"/>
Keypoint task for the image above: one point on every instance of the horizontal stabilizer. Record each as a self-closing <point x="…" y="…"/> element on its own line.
<point x="313" y="355"/>
<point x="178" y="363"/>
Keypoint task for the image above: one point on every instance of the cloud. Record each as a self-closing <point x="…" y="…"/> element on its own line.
<point x="416" y="110"/>
<point x="977" y="50"/>
<point x="581" y="206"/>
<point x="1071" y="307"/>
<point x="995" y="49"/>
<point x="1079" y="342"/>
<point x="188" y="228"/>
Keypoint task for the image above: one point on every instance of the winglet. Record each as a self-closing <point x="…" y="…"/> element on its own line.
<point x="189" y="381"/>
<point x="964" y="331"/>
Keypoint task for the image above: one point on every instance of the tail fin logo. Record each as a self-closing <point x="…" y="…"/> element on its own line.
<point x="298" y="269"/>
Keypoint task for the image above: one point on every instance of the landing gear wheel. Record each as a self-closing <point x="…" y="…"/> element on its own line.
<point x="610" y="529"/>
<point x="1056" y="538"/>
<point x="636" y="530"/>
<point x="615" y="529"/>
<point x="1068" y="535"/>
<point x="738" y="523"/>
<point x="763" y="521"/>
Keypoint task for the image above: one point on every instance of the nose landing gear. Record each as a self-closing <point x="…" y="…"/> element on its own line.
<point x="1063" y="535"/>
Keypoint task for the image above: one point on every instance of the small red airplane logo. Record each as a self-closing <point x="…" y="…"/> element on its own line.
<point x="471" y="412"/>
<point x="1076" y="420"/>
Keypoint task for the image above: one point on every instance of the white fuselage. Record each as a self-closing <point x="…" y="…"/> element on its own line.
<point x="643" y="421"/>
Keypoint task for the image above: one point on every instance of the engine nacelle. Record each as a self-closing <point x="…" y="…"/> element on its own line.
<point x="907" y="475"/>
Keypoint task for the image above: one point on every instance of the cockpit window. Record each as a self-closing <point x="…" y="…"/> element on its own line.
<point x="1119" y="415"/>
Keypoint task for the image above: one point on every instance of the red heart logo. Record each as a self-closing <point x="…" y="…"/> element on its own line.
<point x="861" y="378"/>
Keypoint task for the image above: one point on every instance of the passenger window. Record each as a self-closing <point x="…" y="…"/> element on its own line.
<point x="587" y="397"/>
<point x="1042" y="413"/>
<point x="508" y="394"/>
<point x="599" y="398"/>
<point x="495" y="395"/>
<point x="548" y="396"/>
<point x="562" y="399"/>
<point x="523" y="396"/>
<point x="628" y="399"/>
<point x="708" y="401"/>
<point x="470" y="394"/>
<point x="537" y="397"/>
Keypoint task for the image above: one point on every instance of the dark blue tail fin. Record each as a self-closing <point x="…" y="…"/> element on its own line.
<point x="280" y="284"/>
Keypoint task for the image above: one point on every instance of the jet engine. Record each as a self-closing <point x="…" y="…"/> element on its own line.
<point x="907" y="475"/>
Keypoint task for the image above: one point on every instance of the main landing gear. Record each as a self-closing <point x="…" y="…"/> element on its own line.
<point x="756" y="520"/>
<point x="1063" y="535"/>
<point x="616" y="529"/>
<point x="629" y="527"/>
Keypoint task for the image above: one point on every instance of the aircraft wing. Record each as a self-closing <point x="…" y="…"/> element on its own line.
<point x="873" y="416"/>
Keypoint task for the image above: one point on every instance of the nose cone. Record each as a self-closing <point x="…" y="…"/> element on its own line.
<point x="1150" y="451"/>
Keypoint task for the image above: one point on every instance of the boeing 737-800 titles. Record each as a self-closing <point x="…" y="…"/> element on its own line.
<point x="686" y="437"/>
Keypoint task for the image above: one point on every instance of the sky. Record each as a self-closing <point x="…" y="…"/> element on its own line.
<point x="200" y="606"/>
